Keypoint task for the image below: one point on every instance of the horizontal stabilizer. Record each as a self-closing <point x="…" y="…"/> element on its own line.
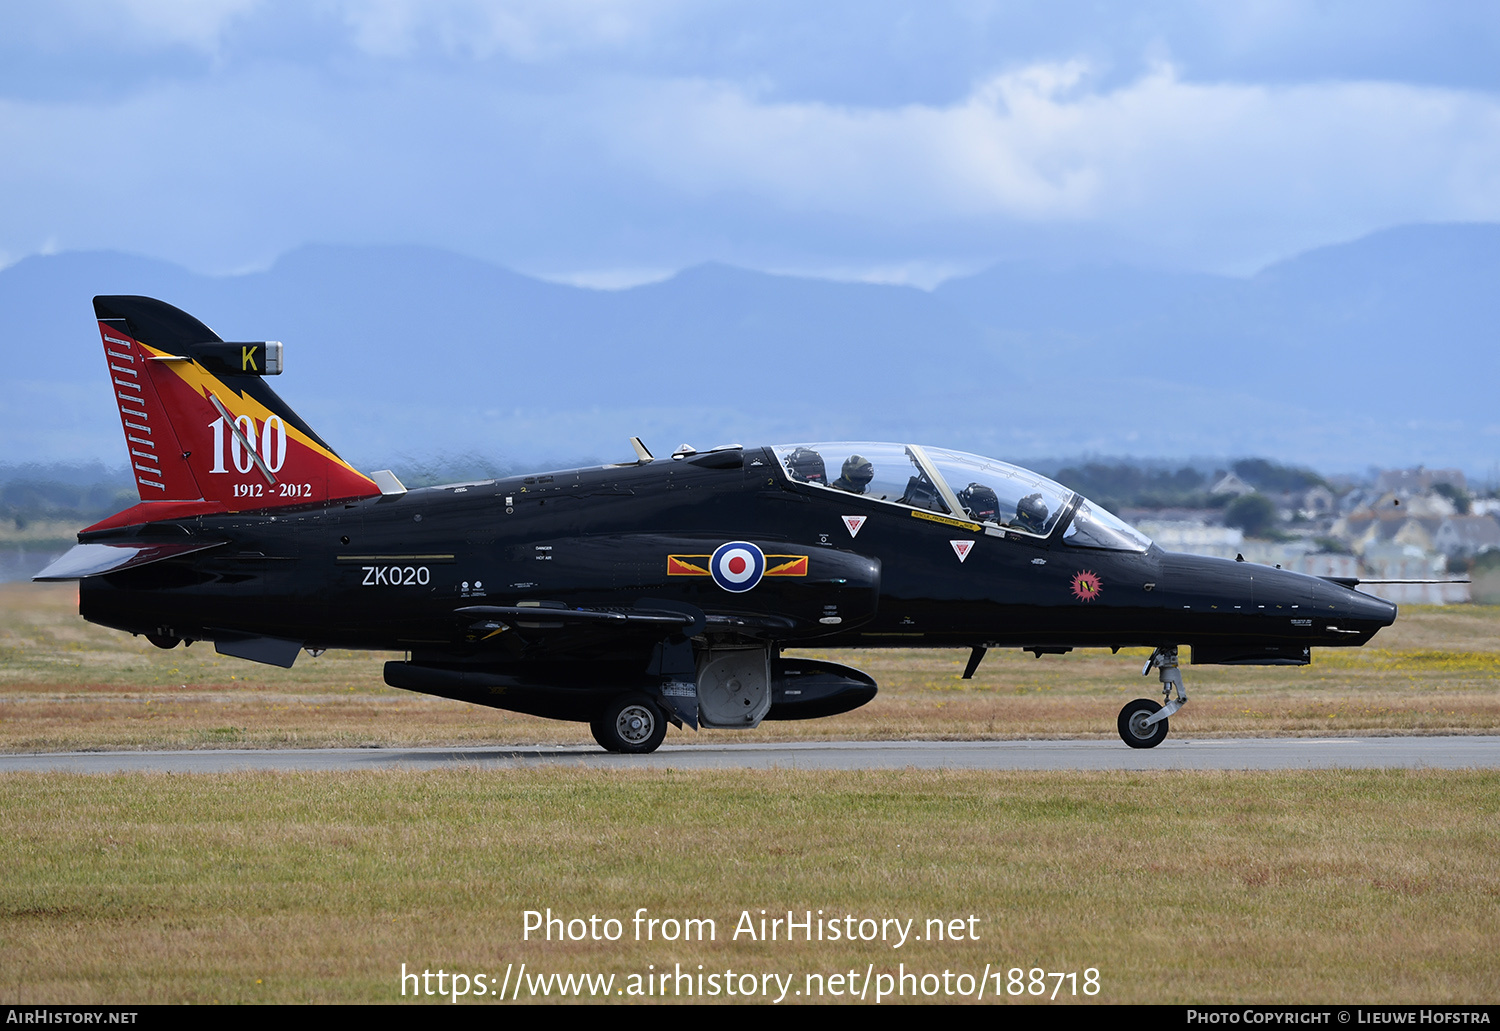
<point x="97" y="559"/>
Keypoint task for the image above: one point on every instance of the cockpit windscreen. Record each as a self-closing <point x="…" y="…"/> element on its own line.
<point x="1094" y="527"/>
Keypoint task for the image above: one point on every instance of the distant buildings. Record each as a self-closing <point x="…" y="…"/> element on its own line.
<point x="1231" y="485"/>
<point x="1415" y="481"/>
<point x="1410" y="524"/>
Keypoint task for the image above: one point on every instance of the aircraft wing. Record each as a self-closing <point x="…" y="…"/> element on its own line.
<point x="688" y="623"/>
<point x="543" y="617"/>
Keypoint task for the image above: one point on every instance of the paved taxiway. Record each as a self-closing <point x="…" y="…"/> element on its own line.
<point x="1181" y="754"/>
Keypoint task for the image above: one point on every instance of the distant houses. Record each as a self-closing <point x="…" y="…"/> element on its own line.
<point x="1230" y="484"/>
<point x="1420" y="479"/>
<point x="1406" y="524"/>
<point x="1467" y="537"/>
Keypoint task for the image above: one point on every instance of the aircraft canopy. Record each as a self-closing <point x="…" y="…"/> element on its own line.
<point x="958" y="484"/>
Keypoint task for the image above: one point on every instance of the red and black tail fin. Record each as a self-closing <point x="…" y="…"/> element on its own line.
<point x="204" y="430"/>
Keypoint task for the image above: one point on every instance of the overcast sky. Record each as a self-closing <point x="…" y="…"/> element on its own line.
<point x="613" y="142"/>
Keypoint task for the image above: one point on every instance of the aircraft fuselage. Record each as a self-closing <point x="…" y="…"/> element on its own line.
<point x="389" y="572"/>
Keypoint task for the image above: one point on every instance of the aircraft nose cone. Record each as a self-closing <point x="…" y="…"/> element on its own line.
<point x="1369" y="608"/>
<point x="1353" y="610"/>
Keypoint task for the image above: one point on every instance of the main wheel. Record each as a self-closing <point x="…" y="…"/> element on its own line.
<point x="632" y="724"/>
<point x="1133" y="729"/>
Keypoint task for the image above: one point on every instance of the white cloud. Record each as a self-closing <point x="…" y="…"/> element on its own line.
<point x="640" y="173"/>
<point x="609" y="278"/>
<point x="924" y="275"/>
<point x="525" y="30"/>
<point x="1157" y="156"/>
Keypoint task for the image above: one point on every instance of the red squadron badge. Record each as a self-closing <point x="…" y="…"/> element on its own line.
<point x="1086" y="586"/>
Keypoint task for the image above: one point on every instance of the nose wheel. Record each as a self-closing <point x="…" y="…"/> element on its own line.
<point x="1135" y="728"/>
<point x="1143" y="723"/>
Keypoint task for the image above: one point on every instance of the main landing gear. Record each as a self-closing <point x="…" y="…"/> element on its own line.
<point x="1143" y="723"/>
<point x="632" y="724"/>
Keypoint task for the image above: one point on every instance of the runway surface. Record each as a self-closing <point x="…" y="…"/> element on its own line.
<point x="1183" y="754"/>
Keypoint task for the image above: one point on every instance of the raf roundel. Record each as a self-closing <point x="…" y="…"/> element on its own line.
<point x="737" y="566"/>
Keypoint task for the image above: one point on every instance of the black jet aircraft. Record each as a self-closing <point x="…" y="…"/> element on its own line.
<point x="633" y="595"/>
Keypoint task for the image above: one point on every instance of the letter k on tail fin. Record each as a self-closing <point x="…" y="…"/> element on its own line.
<point x="204" y="431"/>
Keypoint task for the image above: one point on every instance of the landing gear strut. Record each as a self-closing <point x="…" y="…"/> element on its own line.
<point x="1143" y="723"/>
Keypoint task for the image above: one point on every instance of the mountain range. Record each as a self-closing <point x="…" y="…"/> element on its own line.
<point x="1380" y="351"/>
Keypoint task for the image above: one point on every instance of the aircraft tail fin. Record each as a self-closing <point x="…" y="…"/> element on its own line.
<point x="202" y="427"/>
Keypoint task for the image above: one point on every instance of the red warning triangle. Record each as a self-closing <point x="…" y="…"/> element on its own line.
<point x="962" y="548"/>
<point x="853" y="523"/>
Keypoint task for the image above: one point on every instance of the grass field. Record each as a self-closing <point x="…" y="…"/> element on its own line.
<point x="1221" y="887"/>
<point x="1326" y="886"/>
<point x="65" y="684"/>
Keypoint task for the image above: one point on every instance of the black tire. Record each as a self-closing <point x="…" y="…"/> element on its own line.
<point x="631" y="724"/>
<point x="1131" y="731"/>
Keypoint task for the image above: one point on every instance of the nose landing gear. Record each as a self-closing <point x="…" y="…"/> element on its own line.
<point x="1143" y="723"/>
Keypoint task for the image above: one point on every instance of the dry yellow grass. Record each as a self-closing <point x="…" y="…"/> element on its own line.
<point x="1346" y="886"/>
<point x="66" y="684"/>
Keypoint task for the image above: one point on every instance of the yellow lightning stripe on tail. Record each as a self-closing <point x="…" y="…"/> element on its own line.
<point x="204" y="383"/>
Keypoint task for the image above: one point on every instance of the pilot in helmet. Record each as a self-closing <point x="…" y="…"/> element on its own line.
<point x="1031" y="513"/>
<point x="806" y="466"/>
<point x="856" y="476"/>
<point x="980" y="502"/>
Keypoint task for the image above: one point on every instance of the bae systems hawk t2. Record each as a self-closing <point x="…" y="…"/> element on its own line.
<point x="633" y="595"/>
